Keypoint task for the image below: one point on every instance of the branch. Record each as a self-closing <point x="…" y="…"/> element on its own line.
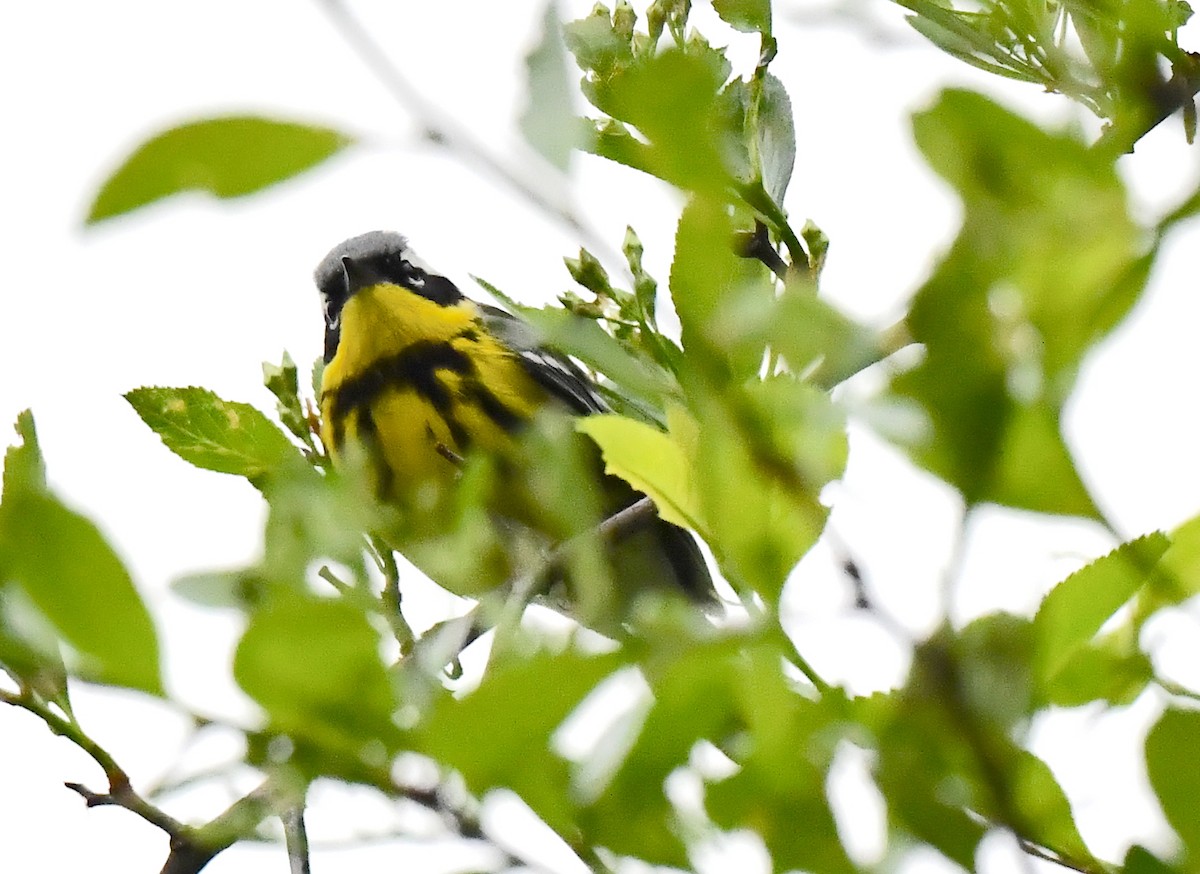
<point x="443" y="130"/>
<point x="193" y="848"/>
<point x="296" y="836"/>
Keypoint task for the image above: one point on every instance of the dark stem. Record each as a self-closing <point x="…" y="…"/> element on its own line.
<point x="757" y="245"/>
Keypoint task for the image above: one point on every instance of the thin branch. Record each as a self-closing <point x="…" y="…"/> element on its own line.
<point x="296" y="837"/>
<point x="445" y="132"/>
<point x="193" y="848"/>
<point x="120" y="791"/>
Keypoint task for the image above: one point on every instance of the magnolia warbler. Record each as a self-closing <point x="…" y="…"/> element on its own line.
<point x="417" y="375"/>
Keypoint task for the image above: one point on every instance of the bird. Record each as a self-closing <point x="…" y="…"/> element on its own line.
<point x="417" y="375"/>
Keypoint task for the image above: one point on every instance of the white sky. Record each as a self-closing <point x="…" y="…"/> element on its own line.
<point x="196" y="292"/>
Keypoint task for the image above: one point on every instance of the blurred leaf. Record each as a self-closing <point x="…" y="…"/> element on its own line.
<point x="68" y="570"/>
<point x="761" y="460"/>
<point x="1173" y="765"/>
<point x="227" y="157"/>
<point x="548" y="122"/>
<point x="314" y="666"/>
<point x="776" y="134"/>
<point x="1180" y="565"/>
<point x="692" y="689"/>
<point x="1042" y="812"/>
<point x="1046" y="263"/>
<point x="236" y="589"/>
<point x="1114" y="670"/>
<point x="710" y="287"/>
<point x="499" y="735"/>
<point x="948" y="758"/>
<point x="779" y="790"/>
<point x="993" y="676"/>
<point x="746" y="15"/>
<point x="1074" y="610"/>
<point x="930" y="750"/>
<point x="212" y="433"/>
<point x="815" y="339"/>
<point x="648" y="460"/>
<point x="24" y="467"/>
<point x="597" y="46"/>
<point x="1045" y="213"/>
<point x="672" y="100"/>
<point x="1139" y="860"/>
<point x="922" y="774"/>
<point x="29" y="650"/>
<point x="314" y="517"/>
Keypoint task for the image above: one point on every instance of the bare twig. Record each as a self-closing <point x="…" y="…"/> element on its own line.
<point x="445" y="132"/>
<point x="296" y="837"/>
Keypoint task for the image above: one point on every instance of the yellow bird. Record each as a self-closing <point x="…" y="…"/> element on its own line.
<point x="417" y="375"/>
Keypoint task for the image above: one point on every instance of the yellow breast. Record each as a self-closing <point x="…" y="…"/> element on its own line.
<point x="415" y="385"/>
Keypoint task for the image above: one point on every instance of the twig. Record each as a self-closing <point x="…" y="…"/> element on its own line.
<point x="756" y="244"/>
<point x="296" y="838"/>
<point x="120" y="791"/>
<point x="193" y="848"/>
<point x="444" y="131"/>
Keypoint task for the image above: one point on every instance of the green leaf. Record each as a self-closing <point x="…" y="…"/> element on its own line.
<point x="226" y="157"/>
<point x="315" y="667"/>
<point x="762" y="456"/>
<point x="597" y="46"/>
<point x="24" y="468"/>
<point x="693" y="700"/>
<point x="29" y="650"/>
<point x="315" y="518"/>
<point x="775" y="131"/>
<point x="713" y="289"/>
<point x="212" y="433"/>
<point x="814" y="338"/>
<point x="746" y="15"/>
<point x="68" y="570"/>
<point x="236" y="589"/>
<point x="1114" y="670"/>
<point x="492" y="735"/>
<point x="1173" y="765"/>
<point x="1139" y="860"/>
<point x="1180" y="565"/>
<point x="548" y="122"/>
<point x="1042" y="811"/>
<point x="648" y="460"/>
<point x="779" y="791"/>
<point x="1074" y="610"/>
<point x="672" y="99"/>
<point x="1046" y="263"/>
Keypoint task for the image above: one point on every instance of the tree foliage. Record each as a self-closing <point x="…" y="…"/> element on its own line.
<point x="734" y="428"/>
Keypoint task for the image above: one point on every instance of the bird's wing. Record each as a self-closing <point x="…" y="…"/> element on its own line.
<point x="557" y="374"/>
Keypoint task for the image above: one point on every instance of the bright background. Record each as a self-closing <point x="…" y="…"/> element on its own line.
<point x="195" y="292"/>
